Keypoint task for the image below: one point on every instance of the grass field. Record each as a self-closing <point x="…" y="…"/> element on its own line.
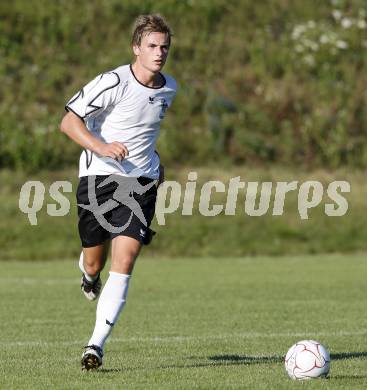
<point x="189" y="324"/>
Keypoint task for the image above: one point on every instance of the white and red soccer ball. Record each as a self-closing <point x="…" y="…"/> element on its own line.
<point x="307" y="359"/>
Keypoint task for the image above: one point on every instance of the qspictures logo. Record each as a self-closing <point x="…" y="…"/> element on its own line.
<point x="123" y="195"/>
<point x="237" y="197"/>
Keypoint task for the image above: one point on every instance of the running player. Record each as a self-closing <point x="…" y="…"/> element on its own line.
<point x="116" y="119"/>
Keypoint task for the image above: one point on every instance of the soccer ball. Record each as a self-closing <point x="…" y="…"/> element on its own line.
<point x="307" y="359"/>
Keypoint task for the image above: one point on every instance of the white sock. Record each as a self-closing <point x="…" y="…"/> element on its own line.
<point x="110" y="304"/>
<point x="90" y="278"/>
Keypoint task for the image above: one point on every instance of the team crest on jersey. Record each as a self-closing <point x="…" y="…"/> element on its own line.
<point x="161" y="102"/>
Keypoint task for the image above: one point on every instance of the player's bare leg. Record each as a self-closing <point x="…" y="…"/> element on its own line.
<point x="94" y="258"/>
<point x="125" y="250"/>
<point x="113" y="297"/>
<point x="91" y="262"/>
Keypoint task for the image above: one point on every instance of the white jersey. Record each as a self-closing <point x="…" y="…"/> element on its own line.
<point x="115" y="106"/>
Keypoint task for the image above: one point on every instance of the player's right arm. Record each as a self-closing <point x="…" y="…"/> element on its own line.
<point x="95" y="97"/>
<point x="75" y="128"/>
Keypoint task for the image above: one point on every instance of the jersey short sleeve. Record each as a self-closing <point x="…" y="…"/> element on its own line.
<point x="99" y="94"/>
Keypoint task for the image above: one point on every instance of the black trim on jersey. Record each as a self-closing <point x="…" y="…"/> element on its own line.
<point x="146" y="86"/>
<point x="81" y="93"/>
<point x="67" y="108"/>
<point x="88" y="162"/>
<point x="113" y="86"/>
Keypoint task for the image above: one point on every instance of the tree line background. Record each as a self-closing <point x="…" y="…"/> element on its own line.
<point x="277" y="81"/>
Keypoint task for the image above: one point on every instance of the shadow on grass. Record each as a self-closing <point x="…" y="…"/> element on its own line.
<point x="277" y="359"/>
<point x="348" y="377"/>
<point x="228" y="360"/>
<point x="348" y="355"/>
<point x="109" y="370"/>
<point x="211" y="361"/>
<point x="245" y="359"/>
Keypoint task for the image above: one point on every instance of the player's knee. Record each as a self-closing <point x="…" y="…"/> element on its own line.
<point x="123" y="263"/>
<point x="93" y="266"/>
<point x="127" y="259"/>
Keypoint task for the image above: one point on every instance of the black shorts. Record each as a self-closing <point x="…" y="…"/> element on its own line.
<point x="124" y="207"/>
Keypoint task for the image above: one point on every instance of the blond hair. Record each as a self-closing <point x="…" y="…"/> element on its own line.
<point x="146" y="24"/>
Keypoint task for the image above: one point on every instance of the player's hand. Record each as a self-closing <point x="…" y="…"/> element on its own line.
<point x="115" y="150"/>
<point x="161" y="174"/>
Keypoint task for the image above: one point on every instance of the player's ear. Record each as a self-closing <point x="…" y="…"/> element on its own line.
<point x="136" y="50"/>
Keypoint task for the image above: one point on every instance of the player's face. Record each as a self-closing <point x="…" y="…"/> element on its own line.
<point x="152" y="52"/>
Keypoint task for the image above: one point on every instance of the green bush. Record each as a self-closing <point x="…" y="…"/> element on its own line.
<point x="270" y="81"/>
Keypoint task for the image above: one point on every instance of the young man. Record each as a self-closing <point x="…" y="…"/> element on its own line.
<point x="116" y="119"/>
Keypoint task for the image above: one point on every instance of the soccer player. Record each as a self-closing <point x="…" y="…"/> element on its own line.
<point x="116" y="119"/>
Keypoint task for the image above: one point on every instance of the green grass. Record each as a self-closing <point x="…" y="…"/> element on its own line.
<point x="204" y="323"/>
